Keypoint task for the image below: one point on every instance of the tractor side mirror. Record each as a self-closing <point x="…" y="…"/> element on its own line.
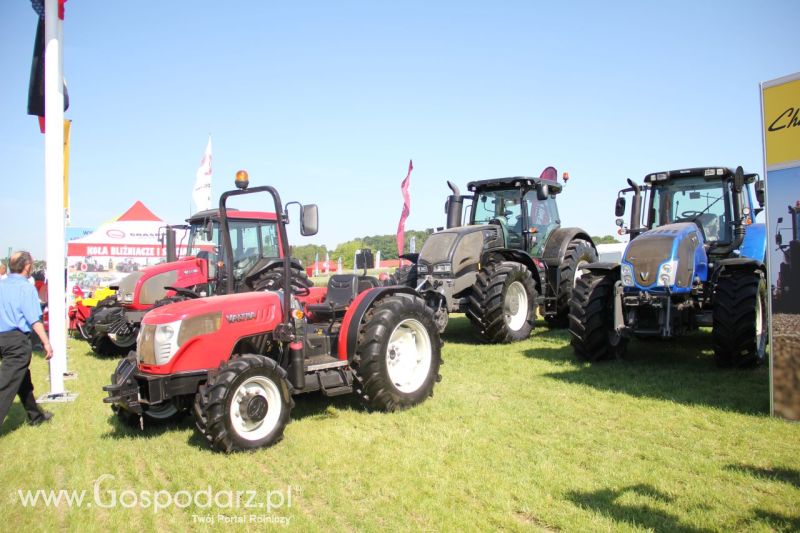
<point x="309" y="220"/>
<point x="364" y="259"/>
<point x="619" y="207"/>
<point x="542" y="192"/>
<point x="759" y="188"/>
<point x="778" y="238"/>
<point x="209" y="231"/>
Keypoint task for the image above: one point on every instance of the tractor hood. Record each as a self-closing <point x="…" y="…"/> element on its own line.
<point x="199" y="334"/>
<point x="456" y="250"/>
<point x="232" y="308"/>
<point x="670" y="256"/>
<point x="143" y="288"/>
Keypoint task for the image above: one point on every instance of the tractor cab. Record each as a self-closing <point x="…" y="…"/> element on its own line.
<point x="710" y="198"/>
<point x="794" y="219"/>
<point x="524" y="208"/>
<point x="254" y="243"/>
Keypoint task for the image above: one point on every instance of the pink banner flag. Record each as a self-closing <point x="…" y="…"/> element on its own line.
<point x="406" y="209"/>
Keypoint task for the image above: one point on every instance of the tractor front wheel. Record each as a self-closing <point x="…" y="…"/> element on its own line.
<point x="578" y="254"/>
<point x="398" y="355"/>
<point x="503" y="302"/>
<point x="740" y="319"/>
<point x="159" y="414"/>
<point x="245" y="405"/>
<point x="591" y="318"/>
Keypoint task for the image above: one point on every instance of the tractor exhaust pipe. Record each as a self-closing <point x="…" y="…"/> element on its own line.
<point x="172" y="252"/>
<point x="636" y="208"/>
<point x="454" y="206"/>
<point x="739" y="229"/>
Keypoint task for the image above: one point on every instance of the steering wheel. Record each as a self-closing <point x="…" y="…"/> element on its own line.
<point x="691" y="214"/>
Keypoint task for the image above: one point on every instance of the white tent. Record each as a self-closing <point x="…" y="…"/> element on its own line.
<point x="118" y="247"/>
<point x="134" y="235"/>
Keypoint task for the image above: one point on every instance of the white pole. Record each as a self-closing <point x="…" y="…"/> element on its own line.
<point x="378" y="260"/>
<point x="54" y="195"/>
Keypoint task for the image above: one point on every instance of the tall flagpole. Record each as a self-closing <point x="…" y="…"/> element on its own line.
<point x="54" y="197"/>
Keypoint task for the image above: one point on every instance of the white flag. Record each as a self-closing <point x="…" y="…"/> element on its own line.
<point x="201" y="194"/>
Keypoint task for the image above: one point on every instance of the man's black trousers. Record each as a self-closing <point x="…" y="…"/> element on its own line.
<point x="15" y="376"/>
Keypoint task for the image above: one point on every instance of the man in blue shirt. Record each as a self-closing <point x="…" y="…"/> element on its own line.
<point x="20" y="313"/>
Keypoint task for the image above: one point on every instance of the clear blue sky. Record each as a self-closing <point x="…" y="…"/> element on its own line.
<point x="327" y="101"/>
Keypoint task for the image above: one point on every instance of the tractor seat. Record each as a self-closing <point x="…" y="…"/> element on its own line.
<point x="342" y="290"/>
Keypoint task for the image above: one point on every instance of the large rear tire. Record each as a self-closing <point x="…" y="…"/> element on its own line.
<point x="740" y="319"/>
<point x="578" y="254"/>
<point x="245" y="406"/>
<point x="272" y="280"/>
<point x="502" y="305"/>
<point x="405" y="275"/>
<point x="399" y="352"/>
<point x="591" y="318"/>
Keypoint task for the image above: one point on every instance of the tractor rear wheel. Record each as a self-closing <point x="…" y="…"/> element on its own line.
<point x="272" y="280"/>
<point x="591" y="318"/>
<point x="740" y="319"/>
<point x="398" y="355"/>
<point x="246" y="405"/>
<point x="405" y="275"/>
<point x="578" y="254"/>
<point x="502" y="304"/>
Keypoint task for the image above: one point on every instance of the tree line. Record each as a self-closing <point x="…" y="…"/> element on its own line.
<point x="386" y="244"/>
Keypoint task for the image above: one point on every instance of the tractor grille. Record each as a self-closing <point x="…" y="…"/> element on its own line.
<point x="646" y="255"/>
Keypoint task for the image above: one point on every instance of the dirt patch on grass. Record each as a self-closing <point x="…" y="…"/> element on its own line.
<point x="786" y="365"/>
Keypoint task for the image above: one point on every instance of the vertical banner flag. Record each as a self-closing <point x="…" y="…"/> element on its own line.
<point x="67" y="125"/>
<point x="401" y="227"/>
<point x="780" y="111"/>
<point x="201" y="194"/>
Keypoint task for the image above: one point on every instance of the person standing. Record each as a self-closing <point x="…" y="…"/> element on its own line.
<point x="20" y="313"/>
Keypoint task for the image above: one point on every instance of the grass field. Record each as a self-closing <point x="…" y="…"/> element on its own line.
<point x="517" y="437"/>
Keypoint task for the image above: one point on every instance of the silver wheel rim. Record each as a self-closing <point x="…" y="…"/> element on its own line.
<point x="515" y="306"/>
<point x="162" y="412"/>
<point x="253" y="430"/>
<point x="408" y="355"/>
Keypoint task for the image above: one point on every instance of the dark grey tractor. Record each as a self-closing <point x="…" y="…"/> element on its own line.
<point x="509" y="259"/>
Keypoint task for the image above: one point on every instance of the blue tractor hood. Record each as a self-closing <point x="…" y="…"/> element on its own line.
<point x="668" y="257"/>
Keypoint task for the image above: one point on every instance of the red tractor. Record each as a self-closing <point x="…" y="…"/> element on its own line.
<point x="237" y="360"/>
<point x="249" y="238"/>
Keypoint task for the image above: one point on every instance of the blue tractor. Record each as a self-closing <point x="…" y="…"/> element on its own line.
<point x="695" y="259"/>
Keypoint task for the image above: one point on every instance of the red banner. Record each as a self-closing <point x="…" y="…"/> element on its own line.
<point x="406" y="209"/>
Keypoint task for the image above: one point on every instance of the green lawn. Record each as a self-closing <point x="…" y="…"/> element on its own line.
<point x="517" y="437"/>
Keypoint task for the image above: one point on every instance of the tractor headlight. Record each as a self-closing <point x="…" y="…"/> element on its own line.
<point x="157" y="343"/>
<point x="443" y="268"/>
<point x="422" y="269"/>
<point x="627" y="275"/>
<point x="199" y="325"/>
<point x="667" y="273"/>
<point x="127" y="298"/>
